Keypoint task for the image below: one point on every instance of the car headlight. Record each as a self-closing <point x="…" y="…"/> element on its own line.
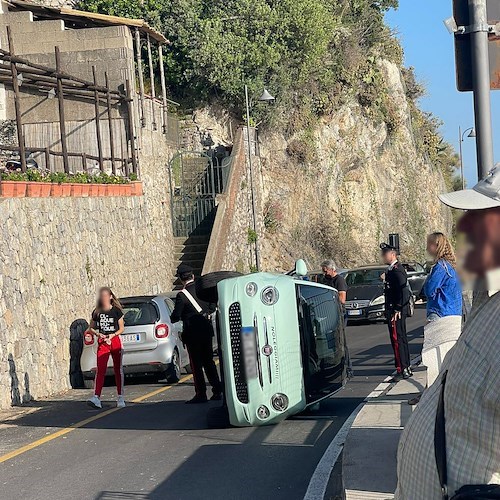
<point x="269" y="295"/>
<point x="251" y="289"/>
<point x="263" y="412"/>
<point x="279" y="402"/>
<point x="378" y="301"/>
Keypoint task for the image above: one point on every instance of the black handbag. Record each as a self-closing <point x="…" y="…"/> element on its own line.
<point x="467" y="492"/>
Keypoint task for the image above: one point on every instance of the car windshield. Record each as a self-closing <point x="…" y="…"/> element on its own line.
<point x="321" y="339"/>
<point x="364" y="277"/>
<point x="140" y="313"/>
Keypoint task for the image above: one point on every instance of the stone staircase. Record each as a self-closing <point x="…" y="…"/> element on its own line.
<point x="190" y="250"/>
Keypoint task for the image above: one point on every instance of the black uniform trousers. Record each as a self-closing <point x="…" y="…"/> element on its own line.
<point x="201" y="358"/>
<point x="399" y="340"/>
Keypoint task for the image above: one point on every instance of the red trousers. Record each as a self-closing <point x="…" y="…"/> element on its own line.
<point x="104" y="350"/>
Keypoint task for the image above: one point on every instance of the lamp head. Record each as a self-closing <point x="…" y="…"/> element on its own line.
<point x="266" y="97"/>
<point x="472" y="133"/>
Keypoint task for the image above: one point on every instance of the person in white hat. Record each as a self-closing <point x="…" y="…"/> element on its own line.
<point x="467" y="424"/>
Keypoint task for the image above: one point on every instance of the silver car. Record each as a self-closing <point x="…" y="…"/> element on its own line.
<point x="152" y="345"/>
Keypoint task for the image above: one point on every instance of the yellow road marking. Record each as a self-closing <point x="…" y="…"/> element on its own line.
<point x="67" y="430"/>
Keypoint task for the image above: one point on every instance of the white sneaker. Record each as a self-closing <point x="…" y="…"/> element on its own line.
<point x="95" y="402"/>
<point x="120" y="402"/>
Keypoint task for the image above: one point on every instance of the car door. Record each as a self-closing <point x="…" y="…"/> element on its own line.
<point x="177" y="333"/>
<point x="416" y="277"/>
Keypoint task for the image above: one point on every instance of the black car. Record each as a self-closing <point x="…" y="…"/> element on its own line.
<point x="365" y="294"/>
<point x="416" y="277"/>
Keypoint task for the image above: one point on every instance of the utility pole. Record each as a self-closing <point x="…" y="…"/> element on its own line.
<point x="252" y="186"/>
<point x="481" y="85"/>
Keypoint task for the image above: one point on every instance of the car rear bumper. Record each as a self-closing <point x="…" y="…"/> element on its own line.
<point x="134" y="362"/>
<point x="142" y="369"/>
<point x="370" y="313"/>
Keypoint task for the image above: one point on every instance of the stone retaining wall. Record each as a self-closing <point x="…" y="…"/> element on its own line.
<point x="54" y="255"/>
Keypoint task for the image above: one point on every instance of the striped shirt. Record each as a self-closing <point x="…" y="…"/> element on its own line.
<point x="472" y="409"/>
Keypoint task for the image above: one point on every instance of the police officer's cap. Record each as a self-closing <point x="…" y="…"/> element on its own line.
<point x="385" y="247"/>
<point x="184" y="270"/>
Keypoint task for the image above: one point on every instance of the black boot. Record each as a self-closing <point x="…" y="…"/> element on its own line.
<point x="407" y="373"/>
<point x="197" y="400"/>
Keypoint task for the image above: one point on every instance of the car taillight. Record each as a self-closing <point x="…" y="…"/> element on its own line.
<point x="88" y="339"/>
<point x="161" y="331"/>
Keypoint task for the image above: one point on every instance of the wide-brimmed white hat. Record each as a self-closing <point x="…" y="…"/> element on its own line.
<point x="485" y="194"/>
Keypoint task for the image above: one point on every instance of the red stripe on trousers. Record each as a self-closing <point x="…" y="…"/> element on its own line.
<point x="396" y="346"/>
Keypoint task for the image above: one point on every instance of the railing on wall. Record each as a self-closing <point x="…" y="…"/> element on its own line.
<point x="195" y="181"/>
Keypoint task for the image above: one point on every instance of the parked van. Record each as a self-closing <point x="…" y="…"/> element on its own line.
<point x="282" y="345"/>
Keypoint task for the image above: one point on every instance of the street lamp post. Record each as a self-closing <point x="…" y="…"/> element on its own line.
<point x="472" y="133"/>
<point x="265" y="97"/>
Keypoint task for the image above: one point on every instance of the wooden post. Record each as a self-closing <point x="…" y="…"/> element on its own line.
<point x="47" y="158"/>
<point x="110" y="125"/>
<point x="17" y="104"/>
<point x="130" y="126"/>
<point x="163" y="89"/>
<point x="141" y="76"/>
<point x="62" y="120"/>
<point x="97" y="122"/>
<point x="152" y="80"/>
<point x="84" y="162"/>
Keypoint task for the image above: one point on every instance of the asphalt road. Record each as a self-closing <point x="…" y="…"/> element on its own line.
<point x="160" y="448"/>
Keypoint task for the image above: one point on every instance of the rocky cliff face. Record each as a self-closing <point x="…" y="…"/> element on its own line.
<point x="341" y="192"/>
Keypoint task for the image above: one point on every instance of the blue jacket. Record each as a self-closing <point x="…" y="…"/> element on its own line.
<point x="443" y="290"/>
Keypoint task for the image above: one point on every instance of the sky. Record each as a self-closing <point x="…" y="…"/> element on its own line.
<point x="429" y="49"/>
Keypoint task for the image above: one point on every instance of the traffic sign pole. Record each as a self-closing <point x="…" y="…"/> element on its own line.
<point x="481" y="86"/>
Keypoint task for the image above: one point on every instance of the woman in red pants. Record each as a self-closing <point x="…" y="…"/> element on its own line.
<point x="107" y="325"/>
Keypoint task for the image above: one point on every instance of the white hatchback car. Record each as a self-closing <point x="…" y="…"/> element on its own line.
<point x="152" y="345"/>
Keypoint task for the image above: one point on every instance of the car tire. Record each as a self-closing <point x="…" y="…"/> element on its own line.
<point x="218" y="418"/>
<point x="88" y="383"/>
<point x="173" y="373"/>
<point x="411" y="307"/>
<point x="206" y="286"/>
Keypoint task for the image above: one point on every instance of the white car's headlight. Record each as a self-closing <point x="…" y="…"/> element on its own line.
<point x="269" y="295"/>
<point x="263" y="412"/>
<point x="279" y="402"/>
<point x="251" y="289"/>
<point x="378" y="301"/>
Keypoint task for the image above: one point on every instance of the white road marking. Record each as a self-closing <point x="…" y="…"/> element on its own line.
<point x="319" y="480"/>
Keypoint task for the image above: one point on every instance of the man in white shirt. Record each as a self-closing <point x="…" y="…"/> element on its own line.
<point x="472" y="391"/>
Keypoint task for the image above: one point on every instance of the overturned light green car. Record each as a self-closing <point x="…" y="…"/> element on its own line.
<point x="282" y="345"/>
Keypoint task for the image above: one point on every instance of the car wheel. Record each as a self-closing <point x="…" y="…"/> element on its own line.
<point x="206" y="286"/>
<point x="218" y="418"/>
<point x="411" y="307"/>
<point x="174" y="370"/>
<point x="88" y="383"/>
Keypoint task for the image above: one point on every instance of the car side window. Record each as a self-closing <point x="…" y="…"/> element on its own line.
<point x="170" y="305"/>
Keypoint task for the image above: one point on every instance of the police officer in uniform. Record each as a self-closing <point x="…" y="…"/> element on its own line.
<point x="397" y="298"/>
<point x="197" y="336"/>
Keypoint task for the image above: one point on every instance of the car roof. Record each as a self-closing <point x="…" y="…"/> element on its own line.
<point x="368" y="267"/>
<point x="148" y="298"/>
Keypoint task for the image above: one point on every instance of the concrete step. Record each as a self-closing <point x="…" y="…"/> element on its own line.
<point x="192" y="240"/>
<point x="195" y="264"/>
<point x="185" y="256"/>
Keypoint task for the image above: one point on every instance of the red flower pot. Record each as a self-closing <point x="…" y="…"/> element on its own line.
<point x="56" y="190"/>
<point x="76" y="189"/>
<point x="113" y="189"/>
<point x="136" y="188"/>
<point x="45" y="189"/>
<point x="34" y="189"/>
<point x="66" y="189"/>
<point x="13" y="189"/>
<point x="101" y="189"/>
<point x="93" y="189"/>
<point x="85" y="189"/>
